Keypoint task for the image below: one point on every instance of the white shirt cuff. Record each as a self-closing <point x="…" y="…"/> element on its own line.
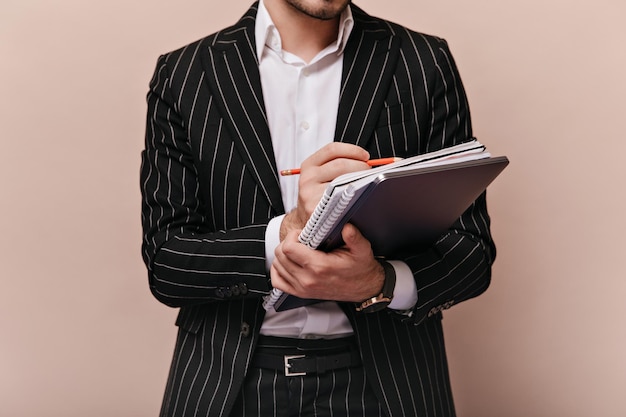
<point x="405" y="293"/>
<point x="272" y="239"/>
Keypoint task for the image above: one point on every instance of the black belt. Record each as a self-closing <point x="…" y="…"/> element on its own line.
<point x="296" y="361"/>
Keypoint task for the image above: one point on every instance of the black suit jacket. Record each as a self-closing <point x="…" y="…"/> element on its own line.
<point x="210" y="185"/>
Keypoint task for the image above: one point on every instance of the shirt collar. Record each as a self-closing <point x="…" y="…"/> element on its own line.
<point x="265" y="29"/>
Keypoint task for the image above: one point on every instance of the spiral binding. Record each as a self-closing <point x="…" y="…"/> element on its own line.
<point x="318" y="215"/>
<point x="325" y="216"/>
<point x="269" y="301"/>
<point x="334" y="214"/>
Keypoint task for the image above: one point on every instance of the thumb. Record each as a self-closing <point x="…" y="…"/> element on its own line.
<point x="350" y="234"/>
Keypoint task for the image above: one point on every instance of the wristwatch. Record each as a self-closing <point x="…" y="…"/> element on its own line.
<point x="382" y="300"/>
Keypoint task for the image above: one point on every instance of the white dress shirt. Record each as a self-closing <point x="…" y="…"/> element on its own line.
<point x="301" y="102"/>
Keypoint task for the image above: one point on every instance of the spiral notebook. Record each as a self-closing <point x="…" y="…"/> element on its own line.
<point x="410" y="202"/>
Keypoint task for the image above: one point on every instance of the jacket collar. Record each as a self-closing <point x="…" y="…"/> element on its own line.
<point x="265" y="28"/>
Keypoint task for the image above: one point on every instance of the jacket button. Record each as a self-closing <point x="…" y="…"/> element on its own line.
<point x="235" y="290"/>
<point x="219" y="293"/>
<point x="245" y="329"/>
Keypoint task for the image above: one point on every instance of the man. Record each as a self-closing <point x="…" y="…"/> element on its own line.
<point x="316" y="84"/>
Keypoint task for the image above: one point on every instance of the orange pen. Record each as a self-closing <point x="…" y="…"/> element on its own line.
<point x="371" y="162"/>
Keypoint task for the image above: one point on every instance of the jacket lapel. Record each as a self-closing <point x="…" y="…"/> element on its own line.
<point x="233" y="76"/>
<point x="370" y="60"/>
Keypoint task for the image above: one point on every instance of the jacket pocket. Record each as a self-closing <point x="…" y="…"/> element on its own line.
<point x="392" y="115"/>
<point x="191" y="318"/>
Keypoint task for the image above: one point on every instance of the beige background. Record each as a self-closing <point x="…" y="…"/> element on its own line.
<point x="80" y="334"/>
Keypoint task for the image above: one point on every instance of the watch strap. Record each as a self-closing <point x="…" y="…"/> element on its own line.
<point x="383" y="299"/>
<point x="390" y="279"/>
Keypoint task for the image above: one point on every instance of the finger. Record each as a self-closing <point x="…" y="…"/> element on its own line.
<point x="350" y="233"/>
<point x="332" y="160"/>
<point x="337" y="150"/>
<point x="354" y="240"/>
<point x="339" y="166"/>
<point x="292" y="254"/>
<point x="277" y="276"/>
<point x="314" y="179"/>
<point x="287" y="277"/>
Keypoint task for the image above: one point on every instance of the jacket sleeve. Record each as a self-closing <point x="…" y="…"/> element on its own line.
<point x="458" y="266"/>
<point x="190" y="258"/>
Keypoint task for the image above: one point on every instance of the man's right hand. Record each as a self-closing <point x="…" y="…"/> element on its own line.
<point x="316" y="172"/>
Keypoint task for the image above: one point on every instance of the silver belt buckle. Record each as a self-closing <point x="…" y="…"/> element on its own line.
<point x="288" y="365"/>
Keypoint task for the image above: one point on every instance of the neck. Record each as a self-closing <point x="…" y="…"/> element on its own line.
<point x="301" y="34"/>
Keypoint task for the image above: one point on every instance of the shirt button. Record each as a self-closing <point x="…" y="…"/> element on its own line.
<point x="306" y="72"/>
<point x="305" y="125"/>
<point x="274" y="41"/>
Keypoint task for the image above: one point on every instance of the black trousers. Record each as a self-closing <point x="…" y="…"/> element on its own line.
<point x="337" y="392"/>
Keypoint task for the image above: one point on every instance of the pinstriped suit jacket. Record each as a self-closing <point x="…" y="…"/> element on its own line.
<point x="210" y="185"/>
